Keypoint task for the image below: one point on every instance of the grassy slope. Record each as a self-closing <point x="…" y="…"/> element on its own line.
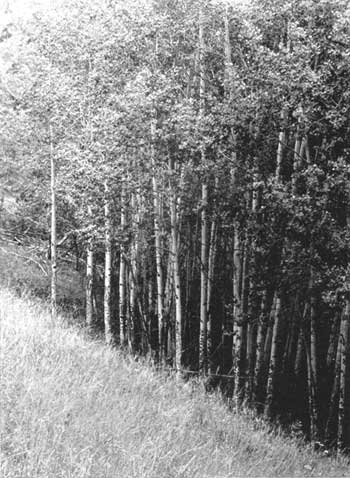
<point x="72" y="408"/>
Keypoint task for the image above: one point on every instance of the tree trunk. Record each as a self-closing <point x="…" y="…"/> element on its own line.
<point x="89" y="279"/>
<point x="312" y="367"/>
<point x="281" y="145"/>
<point x="261" y="337"/>
<point x="211" y="271"/>
<point x="158" y="254"/>
<point x="176" y="273"/>
<point x="203" y="333"/>
<point x="108" y="268"/>
<point x="53" y="231"/>
<point x="273" y="367"/>
<point x="344" y="355"/>
<point x="122" y="274"/>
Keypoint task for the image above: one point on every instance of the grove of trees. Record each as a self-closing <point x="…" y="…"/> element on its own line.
<point x="196" y="156"/>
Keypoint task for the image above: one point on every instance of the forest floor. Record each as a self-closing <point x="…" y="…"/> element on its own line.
<point x="70" y="407"/>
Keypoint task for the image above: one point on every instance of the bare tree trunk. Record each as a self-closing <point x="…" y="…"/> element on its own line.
<point x="108" y="269"/>
<point x="89" y="279"/>
<point x="261" y="337"/>
<point x="211" y="270"/>
<point x="122" y="274"/>
<point x="312" y="367"/>
<point x="176" y="273"/>
<point x="344" y="355"/>
<point x="281" y="145"/>
<point x="272" y="375"/>
<point x="158" y="253"/>
<point x="296" y="159"/>
<point x="237" y="311"/>
<point x="203" y="333"/>
<point x="333" y="342"/>
<point x="133" y="277"/>
<point x="53" y="231"/>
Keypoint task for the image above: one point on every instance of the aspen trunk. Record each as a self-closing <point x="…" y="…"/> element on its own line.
<point x="132" y="279"/>
<point x="203" y="335"/>
<point x="108" y="269"/>
<point x="273" y="367"/>
<point x="252" y="305"/>
<point x="312" y="369"/>
<point x="296" y="158"/>
<point x="53" y="231"/>
<point x="333" y="341"/>
<point x="281" y="145"/>
<point x="122" y="274"/>
<point x="158" y="254"/>
<point x="89" y="280"/>
<point x="176" y="274"/>
<point x="331" y="425"/>
<point x="203" y="332"/>
<point x="237" y="311"/>
<point x="211" y="270"/>
<point x="344" y="355"/>
<point x="261" y="337"/>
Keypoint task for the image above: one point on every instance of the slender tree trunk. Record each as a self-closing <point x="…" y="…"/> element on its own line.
<point x="53" y="231"/>
<point x="312" y="367"/>
<point x="89" y="279"/>
<point x="122" y="274"/>
<point x="211" y="271"/>
<point x="237" y="311"/>
<point x="273" y="367"/>
<point x="281" y="145"/>
<point x="344" y="356"/>
<point x="333" y="341"/>
<point x="203" y="333"/>
<point x="261" y="337"/>
<point x="176" y="273"/>
<point x="331" y="425"/>
<point x="108" y="269"/>
<point x="296" y="159"/>
<point x="158" y="254"/>
<point x="132" y="323"/>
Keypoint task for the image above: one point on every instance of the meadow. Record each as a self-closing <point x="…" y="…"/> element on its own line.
<point x="71" y="407"/>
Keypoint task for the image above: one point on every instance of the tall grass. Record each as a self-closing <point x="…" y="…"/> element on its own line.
<point x="73" y="408"/>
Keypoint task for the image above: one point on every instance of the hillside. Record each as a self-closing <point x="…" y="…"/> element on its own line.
<point x="74" y="408"/>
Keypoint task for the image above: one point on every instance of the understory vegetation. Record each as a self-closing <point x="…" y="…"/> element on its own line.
<point x="72" y="407"/>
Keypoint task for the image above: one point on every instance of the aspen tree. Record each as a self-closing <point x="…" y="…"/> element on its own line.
<point x="344" y="344"/>
<point x="237" y="328"/>
<point x="203" y="333"/>
<point x="311" y="355"/>
<point x="90" y="250"/>
<point x="108" y="268"/>
<point x="272" y="374"/>
<point x="176" y="271"/>
<point x="89" y="277"/>
<point x="252" y="325"/>
<point x="132" y="276"/>
<point x="260" y="341"/>
<point x="281" y="145"/>
<point x="158" y="250"/>
<point x="211" y="271"/>
<point x="122" y="271"/>
<point x="53" y="230"/>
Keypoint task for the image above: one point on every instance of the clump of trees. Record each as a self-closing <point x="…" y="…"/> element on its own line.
<point x="202" y="160"/>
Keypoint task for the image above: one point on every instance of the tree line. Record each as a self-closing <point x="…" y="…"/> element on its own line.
<point x="197" y="156"/>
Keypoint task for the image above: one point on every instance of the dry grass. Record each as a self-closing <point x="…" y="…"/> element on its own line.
<point x="72" y="408"/>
